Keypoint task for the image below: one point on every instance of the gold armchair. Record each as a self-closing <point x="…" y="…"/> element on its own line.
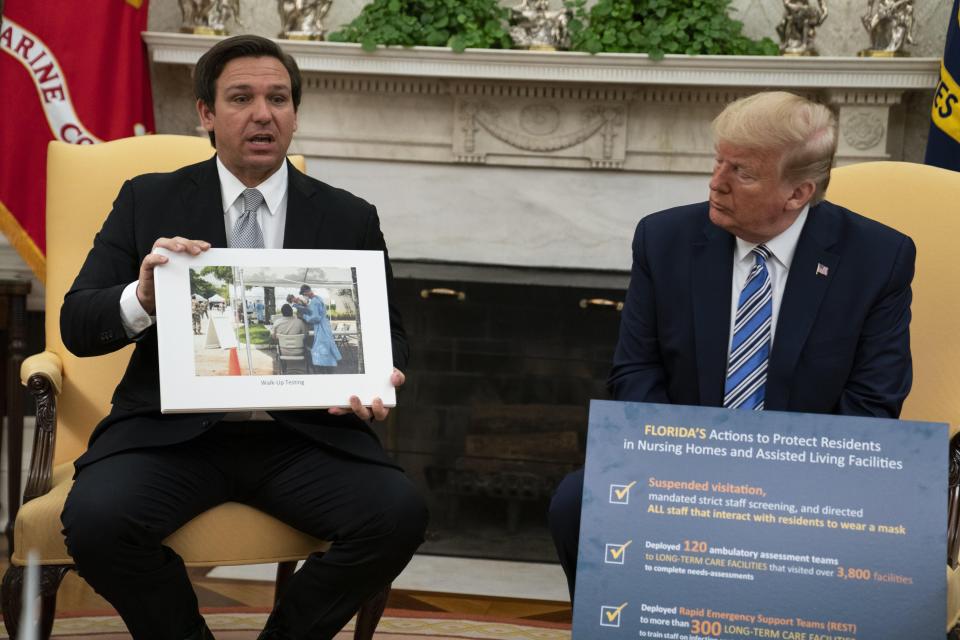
<point x="73" y="393"/>
<point x="922" y="202"/>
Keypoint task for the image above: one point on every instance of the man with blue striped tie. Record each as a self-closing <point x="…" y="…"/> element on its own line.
<point x="766" y="296"/>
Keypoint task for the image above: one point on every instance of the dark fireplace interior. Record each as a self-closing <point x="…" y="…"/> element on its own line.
<point x="494" y="412"/>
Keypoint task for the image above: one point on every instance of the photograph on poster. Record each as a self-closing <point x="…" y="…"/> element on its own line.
<point x="300" y="320"/>
<point x="243" y="329"/>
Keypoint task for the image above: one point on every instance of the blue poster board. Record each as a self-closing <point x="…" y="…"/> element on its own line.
<point x="716" y="524"/>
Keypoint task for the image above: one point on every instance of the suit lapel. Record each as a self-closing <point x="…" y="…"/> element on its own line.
<point x="711" y="274"/>
<point x="203" y="204"/>
<point x="304" y="216"/>
<point x="806" y="285"/>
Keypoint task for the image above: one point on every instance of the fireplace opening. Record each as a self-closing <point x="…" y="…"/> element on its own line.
<point x="494" y="411"/>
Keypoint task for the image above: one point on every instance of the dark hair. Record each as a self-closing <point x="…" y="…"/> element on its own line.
<point x="286" y="310"/>
<point x="211" y="65"/>
<point x="304" y="288"/>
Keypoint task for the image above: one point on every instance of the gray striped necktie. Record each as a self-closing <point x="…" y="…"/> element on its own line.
<point x="746" y="382"/>
<point x="246" y="231"/>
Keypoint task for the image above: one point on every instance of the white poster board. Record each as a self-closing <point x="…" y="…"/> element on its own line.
<point x="208" y="305"/>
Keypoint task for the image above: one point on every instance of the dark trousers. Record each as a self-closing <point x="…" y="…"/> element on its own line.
<point x="122" y="507"/>
<point x="564" y="521"/>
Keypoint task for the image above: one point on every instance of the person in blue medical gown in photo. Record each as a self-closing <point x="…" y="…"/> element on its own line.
<point x="324" y="352"/>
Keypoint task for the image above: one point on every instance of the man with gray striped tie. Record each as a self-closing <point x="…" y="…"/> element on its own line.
<point x="766" y="296"/>
<point x="146" y="473"/>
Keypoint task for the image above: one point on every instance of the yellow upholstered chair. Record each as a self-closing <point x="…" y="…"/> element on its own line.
<point x="924" y="203"/>
<point x="73" y="393"/>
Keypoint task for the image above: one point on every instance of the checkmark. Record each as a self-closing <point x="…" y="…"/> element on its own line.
<point x="610" y="616"/>
<point x="615" y="553"/>
<point x="620" y="493"/>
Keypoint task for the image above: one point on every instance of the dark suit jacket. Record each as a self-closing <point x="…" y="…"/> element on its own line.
<point x="842" y="342"/>
<point x="188" y="203"/>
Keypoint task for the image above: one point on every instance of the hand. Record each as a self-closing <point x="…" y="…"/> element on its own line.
<point x="145" y="291"/>
<point x="376" y="410"/>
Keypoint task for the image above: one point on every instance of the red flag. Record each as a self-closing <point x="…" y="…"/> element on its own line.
<point x="70" y="71"/>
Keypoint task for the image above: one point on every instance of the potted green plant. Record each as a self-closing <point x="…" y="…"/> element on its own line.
<point x="457" y="24"/>
<point x="659" y="27"/>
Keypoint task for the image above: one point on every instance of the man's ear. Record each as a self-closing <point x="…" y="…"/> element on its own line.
<point x="206" y="115"/>
<point x="801" y="195"/>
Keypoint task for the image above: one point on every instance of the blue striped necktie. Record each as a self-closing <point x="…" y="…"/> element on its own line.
<point x="750" y="348"/>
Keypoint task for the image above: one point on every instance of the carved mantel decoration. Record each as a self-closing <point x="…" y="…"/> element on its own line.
<point x="540" y="126"/>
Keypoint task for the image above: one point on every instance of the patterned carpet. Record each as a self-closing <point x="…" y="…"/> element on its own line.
<point x="237" y="609"/>
<point x="395" y="625"/>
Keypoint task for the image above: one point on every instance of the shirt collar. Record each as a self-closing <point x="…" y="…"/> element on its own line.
<point x="782" y="246"/>
<point x="273" y="188"/>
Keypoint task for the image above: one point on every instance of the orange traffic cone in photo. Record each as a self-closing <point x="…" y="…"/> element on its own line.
<point x="233" y="368"/>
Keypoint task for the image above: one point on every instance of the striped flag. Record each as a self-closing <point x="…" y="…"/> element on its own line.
<point x="70" y="71"/>
<point x="943" y="145"/>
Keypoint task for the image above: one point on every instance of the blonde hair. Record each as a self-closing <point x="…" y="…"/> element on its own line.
<point x="802" y="131"/>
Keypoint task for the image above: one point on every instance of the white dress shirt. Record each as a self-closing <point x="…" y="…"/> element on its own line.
<point x="272" y="216"/>
<point x="782" y="248"/>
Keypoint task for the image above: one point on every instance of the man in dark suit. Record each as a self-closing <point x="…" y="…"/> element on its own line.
<point x="765" y="297"/>
<point x="146" y="474"/>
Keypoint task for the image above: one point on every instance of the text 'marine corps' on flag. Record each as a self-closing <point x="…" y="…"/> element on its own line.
<point x="70" y="71"/>
<point x="943" y="145"/>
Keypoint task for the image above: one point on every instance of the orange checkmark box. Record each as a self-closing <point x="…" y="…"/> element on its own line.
<point x="616" y="551"/>
<point x="611" y="615"/>
<point x="620" y="493"/>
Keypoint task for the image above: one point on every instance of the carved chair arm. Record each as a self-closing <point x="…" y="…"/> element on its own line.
<point x="953" y="504"/>
<point x="46" y="364"/>
<point x="43" y="376"/>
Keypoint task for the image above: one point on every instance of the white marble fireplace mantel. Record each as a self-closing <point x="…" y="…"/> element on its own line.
<point x="565" y="66"/>
<point x="469" y="155"/>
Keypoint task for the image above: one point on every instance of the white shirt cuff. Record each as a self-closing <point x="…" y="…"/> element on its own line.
<point x="135" y="319"/>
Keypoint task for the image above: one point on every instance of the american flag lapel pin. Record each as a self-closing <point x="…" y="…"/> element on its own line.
<point x="822" y="269"/>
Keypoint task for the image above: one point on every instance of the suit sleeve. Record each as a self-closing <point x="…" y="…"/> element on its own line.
<point x="373" y="241"/>
<point x="638" y="373"/>
<point x="90" y="318"/>
<point x="882" y="369"/>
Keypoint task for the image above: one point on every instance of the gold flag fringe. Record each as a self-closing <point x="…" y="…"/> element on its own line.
<point x="23" y="243"/>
